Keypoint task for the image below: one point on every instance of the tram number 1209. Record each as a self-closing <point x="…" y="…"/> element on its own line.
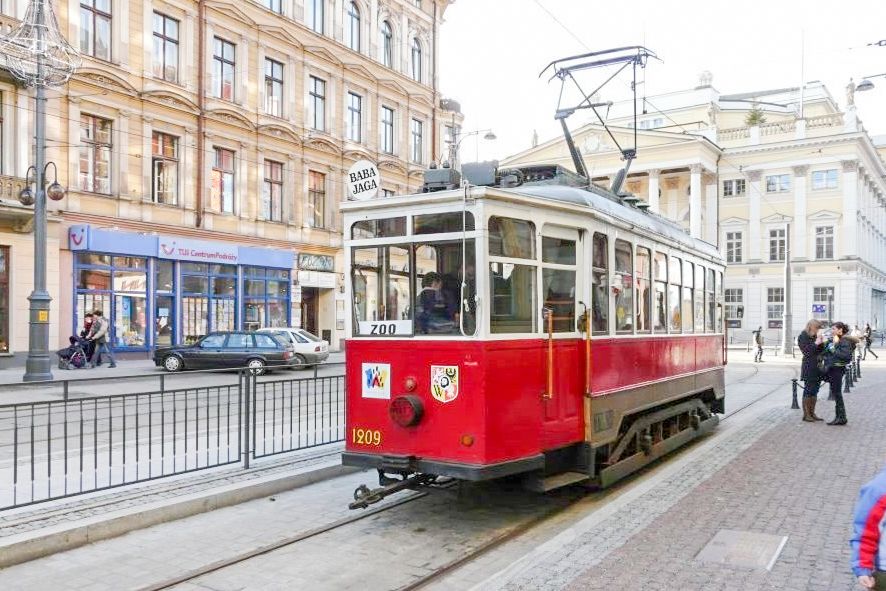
<point x="365" y="436"/>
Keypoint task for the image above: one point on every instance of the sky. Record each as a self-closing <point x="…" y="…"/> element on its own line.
<point x="492" y="52"/>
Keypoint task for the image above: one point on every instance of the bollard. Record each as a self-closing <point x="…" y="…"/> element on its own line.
<point x="858" y="368"/>
<point x="852" y="373"/>
<point x="847" y="379"/>
<point x="794" y="404"/>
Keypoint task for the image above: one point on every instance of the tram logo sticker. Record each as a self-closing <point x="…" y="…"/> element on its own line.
<point x="377" y="380"/>
<point x="444" y="382"/>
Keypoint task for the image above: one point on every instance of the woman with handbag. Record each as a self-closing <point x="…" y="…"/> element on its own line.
<point x="811" y="343"/>
<point x="837" y="354"/>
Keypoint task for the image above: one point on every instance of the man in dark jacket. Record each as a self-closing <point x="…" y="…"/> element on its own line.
<point x="811" y="343"/>
<point x="758" y="341"/>
<point x="837" y="354"/>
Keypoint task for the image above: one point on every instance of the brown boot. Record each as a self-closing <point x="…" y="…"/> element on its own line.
<point x="812" y="414"/>
<point x="807" y="412"/>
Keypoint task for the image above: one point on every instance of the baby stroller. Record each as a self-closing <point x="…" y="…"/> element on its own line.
<point x="73" y="356"/>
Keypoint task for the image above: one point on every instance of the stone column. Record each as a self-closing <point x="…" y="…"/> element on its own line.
<point x="711" y="210"/>
<point x="653" y="197"/>
<point x="672" y="185"/>
<point x="755" y="176"/>
<point x="850" y="208"/>
<point x="800" y="239"/>
<point x="695" y="200"/>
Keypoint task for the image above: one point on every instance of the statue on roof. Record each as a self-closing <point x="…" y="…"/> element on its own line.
<point x="850" y="93"/>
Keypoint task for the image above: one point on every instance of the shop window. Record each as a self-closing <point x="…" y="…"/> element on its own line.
<point x="266" y="298"/>
<point x="4" y="299"/>
<point x="208" y="299"/>
<point x="118" y="287"/>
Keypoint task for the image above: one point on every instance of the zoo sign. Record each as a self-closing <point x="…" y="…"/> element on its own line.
<point x="363" y="180"/>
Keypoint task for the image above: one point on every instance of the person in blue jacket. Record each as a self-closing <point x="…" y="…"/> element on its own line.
<point x="868" y="541"/>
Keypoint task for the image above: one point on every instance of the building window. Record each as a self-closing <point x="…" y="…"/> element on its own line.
<point x="733" y="247"/>
<point x="355" y="117"/>
<point x="316" y="14"/>
<point x="265" y="298"/>
<point x="95" y="28"/>
<point x="778" y="183"/>
<point x="354" y="26"/>
<point x="824" y="242"/>
<point x="223" y="69"/>
<point x="317" y="199"/>
<point x="165" y="47"/>
<point x="774" y="306"/>
<point x="4" y="299"/>
<point x="387" y="130"/>
<point x="822" y="300"/>
<point x="222" y="196"/>
<point x="164" y="151"/>
<point x="118" y="287"/>
<point x="734" y="307"/>
<point x="318" y="103"/>
<point x="417" y="141"/>
<point x="416" y="59"/>
<point x="733" y="188"/>
<point x="272" y="192"/>
<point x="777" y="244"/>
<point x="273" y="88"/>
<point x="95" y="154"/>
<point x="387" y="44"/>
<point x="274" y="5"/>
<point x="208" y="299"/>
<point x="824" y="179"/>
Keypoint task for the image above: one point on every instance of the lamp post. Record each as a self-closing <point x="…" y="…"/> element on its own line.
<point x="459" y="137"/>
<point x="38" y="55"/>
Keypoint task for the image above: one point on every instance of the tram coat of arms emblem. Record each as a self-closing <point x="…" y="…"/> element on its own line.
<point x="444" y="382"/>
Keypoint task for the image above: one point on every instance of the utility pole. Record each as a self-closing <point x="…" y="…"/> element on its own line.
<point x="787" y="345"/>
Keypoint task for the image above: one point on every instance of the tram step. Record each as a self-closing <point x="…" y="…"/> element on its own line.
<point x="543" y="485"/>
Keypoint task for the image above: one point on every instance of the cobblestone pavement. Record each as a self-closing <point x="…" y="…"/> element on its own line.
<point x="776" y="476"/>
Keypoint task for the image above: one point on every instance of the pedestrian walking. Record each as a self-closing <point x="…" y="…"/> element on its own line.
<point x="758" y="341"/>
<point x="868" y="543"/>
<point x="811" y="343"/>
<point x="868" y="341"/>
<point x="858" y="336"/>
<point x="100" y="336"/>
<point x="837" y="353"/>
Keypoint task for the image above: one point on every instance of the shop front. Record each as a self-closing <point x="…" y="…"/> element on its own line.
<point x="163" y="290"/>
<point x="315" y="296"/>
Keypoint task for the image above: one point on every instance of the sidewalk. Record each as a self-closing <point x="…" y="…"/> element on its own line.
<point x="775" y="476"/>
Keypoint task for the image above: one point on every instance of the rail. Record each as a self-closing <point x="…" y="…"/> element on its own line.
<point x="87" y="441"/>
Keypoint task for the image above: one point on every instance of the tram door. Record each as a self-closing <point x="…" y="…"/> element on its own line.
<point x="562" y="255"/>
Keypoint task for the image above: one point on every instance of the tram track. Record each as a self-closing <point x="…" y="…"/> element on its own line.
<point x="524" y="527"/>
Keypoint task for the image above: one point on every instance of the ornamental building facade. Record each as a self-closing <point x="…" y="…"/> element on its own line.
<point x="205" y="146"/>
<point x="741" y="171"/>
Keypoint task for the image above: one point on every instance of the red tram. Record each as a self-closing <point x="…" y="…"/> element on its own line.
<point x="530" y="326"/>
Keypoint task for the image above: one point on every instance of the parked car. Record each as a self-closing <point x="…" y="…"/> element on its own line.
<point x="309" y="348"/>
<point x="219" y="350"/>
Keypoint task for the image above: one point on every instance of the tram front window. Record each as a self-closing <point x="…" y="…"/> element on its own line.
<point x="381" y="290"/>
<point x="445" y="289"/>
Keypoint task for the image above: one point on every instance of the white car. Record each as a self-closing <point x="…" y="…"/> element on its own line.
<point x="309" y="348"/>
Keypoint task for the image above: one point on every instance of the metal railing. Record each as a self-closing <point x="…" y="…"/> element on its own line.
<point x="91" y="442"/>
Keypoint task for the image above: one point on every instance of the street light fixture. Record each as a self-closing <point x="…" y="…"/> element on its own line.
<point x="38" y="55"/>
<point x="866" y="84"/>
<point x="454" y="146"/>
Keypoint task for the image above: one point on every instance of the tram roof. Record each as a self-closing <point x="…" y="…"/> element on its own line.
<point x="593" y="198"/>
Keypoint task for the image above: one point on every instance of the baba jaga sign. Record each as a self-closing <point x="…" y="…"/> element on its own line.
<point x="363" y="180"/>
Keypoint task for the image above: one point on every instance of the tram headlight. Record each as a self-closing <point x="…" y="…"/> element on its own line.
<point x="406" y="411"/>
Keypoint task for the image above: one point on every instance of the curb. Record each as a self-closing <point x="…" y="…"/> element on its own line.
<point x="20" y="548"/>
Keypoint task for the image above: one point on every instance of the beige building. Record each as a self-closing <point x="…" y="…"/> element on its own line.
<point x="735" y="170"/>
<point x="205" y="145"/>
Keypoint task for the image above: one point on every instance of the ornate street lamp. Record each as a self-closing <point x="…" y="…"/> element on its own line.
<point x="38" y="55"/>
<point x="459" y="137"/>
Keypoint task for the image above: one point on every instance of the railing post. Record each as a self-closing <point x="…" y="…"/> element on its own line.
<point x="65" y="390"/>
<point x="316" y="366"/>
<point x="794" y="404"/>
<point x="162" y="383"/>
<point x="247" y="420"/>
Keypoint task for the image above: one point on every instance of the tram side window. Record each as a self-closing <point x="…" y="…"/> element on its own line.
<point x="699" y="298"/>
<point x="720" y="292"/>
<point x="644" y="299"/>
<point x="676" y="275"/>
<point x="511" y="238"/>
<point x="381" y="290"/>
<point x="710" y="317"/>
<point x="440" y="301"/>
<point x="688" y="282"/>
<point x="513" y="298"/>
<point x="384" y="228"/>
<point x="441" y="223"/>
<point x="624" y="298"/>
<point x="660" y="319"/>
<point x="600" y="277"/>
<point x="558" y="283"/>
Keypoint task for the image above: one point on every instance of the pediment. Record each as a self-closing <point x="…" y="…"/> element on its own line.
<point x="777" y="218"/>
<point x="360" y="70"/>
<point x="423" y="99"/>
<point x="171" y="98"/>
<point x="323" y="145"/>
<point x="231" y="117"/>
<point x="734" y="221"/>
<point x="393" y="165"/>
<point x="392" y="85"/>
<point x="357" y="154"/>
<point x="282" y="34"/>
<point x="232" y="9"/>
<point x="417" y="173"/>
<point x="279" y="131"/>
<point x="105" y="79"/>
<point x="824" y="215"/>
<point x="323" y="53"/>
